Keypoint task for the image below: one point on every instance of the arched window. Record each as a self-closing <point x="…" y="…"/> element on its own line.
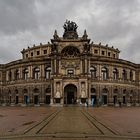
<point x="105" y="90"/>
<point x="115" y="91"/>
<point x="48" y="73"/>
<point x="36" y="73"/>
<point x="48" y="89"/>
<point x="25" y="74"/>
<point x="36" y="90"/>
<point x="115" y="74"/>
<point x="124" y="75"/>
<point x="25" y="90"/>
<point x="131" y="75"/>
<point x="93" y="90"/>
<point x="124" y="91"/>
<point x="16" y="74"/>
<point x="104" y="73"/>
<point x="10" y="76"/>
<point x="16" y="91"/>
<point x="93" y="72"/>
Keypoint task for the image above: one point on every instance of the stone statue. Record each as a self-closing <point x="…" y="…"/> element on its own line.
<point x="58" y="94"/>
<point x="70" y="26"/>
<point x="87" y="48"/>
<point x="85" y="36"/>
<point x="54" y="48"/>
<point x="83" y="93"/>
<point x="55" y="36"/>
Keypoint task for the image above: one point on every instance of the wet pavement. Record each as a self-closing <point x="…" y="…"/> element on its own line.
<point x="74" y="123"/>
<point x="70" y="121"/>
<point x="14" y="120"/>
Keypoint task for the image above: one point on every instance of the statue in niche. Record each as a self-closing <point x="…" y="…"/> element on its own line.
<point x="83" y="93"/>
<point x="58" y="94"/>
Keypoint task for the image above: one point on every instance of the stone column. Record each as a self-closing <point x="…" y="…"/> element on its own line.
<point x="59" y="68"/>
<point x="110" y="96"/>
<point x="81" y="67"/>
<point x="20" y="94"/>
<point x="13" y="75"/>
<point x="128" y="74"/>
<point x="120" y="94"/>
<point x="7" y="78"/>
<point x="61" y="91"/>
<point x="57" y="65"/>
<point x="20" y="73"/>
<point x="30" y="72"/>
<point x="97" y="72"/>
<point x="111" y="73"/>
<point x="42" y="94"/>
<point x="40" y="73"/>
<point x="134" y="75"/>
<point x="89" y="93"/>
<point x="30" y="94"/>
<point x="52" y="95"/>
<point x="120" y="73"/>
<point x="88" y="65"/>
<point x="97" y="93"/>
<point x="100" y="72"/>
<point x="52" y="65"/>
<point x="85" y="65"/>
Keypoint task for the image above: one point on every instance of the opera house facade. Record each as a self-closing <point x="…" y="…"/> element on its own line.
<point x="69" y="70"/>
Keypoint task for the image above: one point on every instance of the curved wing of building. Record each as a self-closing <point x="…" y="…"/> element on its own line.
<point x="69" y="70"/>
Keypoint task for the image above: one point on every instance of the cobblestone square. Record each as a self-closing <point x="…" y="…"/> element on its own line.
<point x="102" y="123"/>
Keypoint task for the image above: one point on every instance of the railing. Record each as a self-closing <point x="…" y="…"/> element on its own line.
<point x="94" y="79"/>
<point x="20" y="81"/>
<point x="70" y="77"/>
<point x="114" y="81"/>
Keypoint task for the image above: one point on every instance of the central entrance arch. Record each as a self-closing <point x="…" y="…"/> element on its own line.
<point x="70" y="94"/>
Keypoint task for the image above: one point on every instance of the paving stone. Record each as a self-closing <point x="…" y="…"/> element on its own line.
<point x="72" y="123"/>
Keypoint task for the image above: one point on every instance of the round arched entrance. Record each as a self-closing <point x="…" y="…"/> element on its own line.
<point x="70" y="94"/>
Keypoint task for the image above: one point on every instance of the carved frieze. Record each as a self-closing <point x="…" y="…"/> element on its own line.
<point x="70" y="63"/>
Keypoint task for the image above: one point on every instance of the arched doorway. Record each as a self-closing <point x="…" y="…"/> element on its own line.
<point x="70" y="94"/>
<point x="104" y="96"/>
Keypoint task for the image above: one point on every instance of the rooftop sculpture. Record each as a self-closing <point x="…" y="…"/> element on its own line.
<point x="70" y="26"/>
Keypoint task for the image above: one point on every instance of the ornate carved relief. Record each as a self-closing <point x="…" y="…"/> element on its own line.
<point x="70" y="51"/>
<point x="70" y="63"/>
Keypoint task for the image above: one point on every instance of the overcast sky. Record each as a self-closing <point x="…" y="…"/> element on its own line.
<point x="27" y="22"/>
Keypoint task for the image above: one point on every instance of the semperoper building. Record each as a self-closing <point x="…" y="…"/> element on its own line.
<point x="70" y="70"/>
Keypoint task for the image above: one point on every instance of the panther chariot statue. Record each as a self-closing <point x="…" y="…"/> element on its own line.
<point x="70" y="30"/>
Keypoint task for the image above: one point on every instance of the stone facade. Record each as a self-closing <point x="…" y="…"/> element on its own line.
<point x="70" y="70"/>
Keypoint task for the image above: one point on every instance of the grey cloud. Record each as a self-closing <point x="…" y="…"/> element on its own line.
<point x="112" y="20"/>
<point x="17" y="15"/>
<point x="106" y="21"/>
